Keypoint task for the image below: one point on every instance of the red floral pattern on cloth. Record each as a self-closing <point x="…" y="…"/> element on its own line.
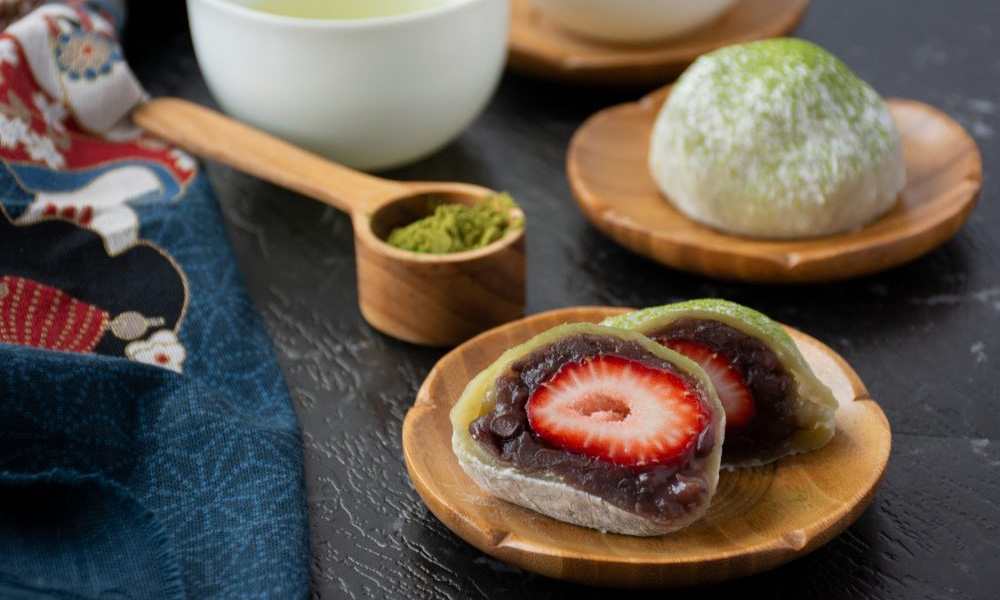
<point x="39" y="129"/>
<point x="65" y="135"/>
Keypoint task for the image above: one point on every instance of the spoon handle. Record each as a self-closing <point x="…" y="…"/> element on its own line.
<point x="212" y="135"/>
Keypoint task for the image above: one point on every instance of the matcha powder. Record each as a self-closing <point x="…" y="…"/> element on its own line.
<point x="457" y="227"/>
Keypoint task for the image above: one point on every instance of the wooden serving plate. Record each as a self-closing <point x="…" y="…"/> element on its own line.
<point x="760" y="517"/>
<point x="608" y="172"/>
<point x="539" y="47"/>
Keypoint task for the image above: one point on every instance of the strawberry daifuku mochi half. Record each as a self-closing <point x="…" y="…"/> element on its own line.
<point x="595" y="426"/>
<point x="775" y="406"/>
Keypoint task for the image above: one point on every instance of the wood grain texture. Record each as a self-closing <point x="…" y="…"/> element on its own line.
<point x="427" y="299"/>
<point x="608" y="171"/>
<point x="539" y="47"/>
<point x="438" y="300"/>
<point x="760" y="517"/>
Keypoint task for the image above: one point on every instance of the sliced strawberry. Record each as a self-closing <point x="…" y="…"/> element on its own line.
<point x="729" y="384"/>
<point x="619" y="411"/>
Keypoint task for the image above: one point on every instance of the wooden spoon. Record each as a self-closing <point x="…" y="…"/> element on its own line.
<point x="428" y="299"/>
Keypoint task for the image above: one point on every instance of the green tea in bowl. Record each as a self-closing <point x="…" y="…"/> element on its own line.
<point x="344" y="9"/>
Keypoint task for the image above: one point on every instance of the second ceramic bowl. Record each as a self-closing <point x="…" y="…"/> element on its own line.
<point x="370" y="93"/>
<point x="633" y="21"/>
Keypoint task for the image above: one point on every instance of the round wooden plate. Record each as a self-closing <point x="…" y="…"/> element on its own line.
<point x="760" y="517"/>
<point x="541" y="48"/>
<point x="608" y="172"/>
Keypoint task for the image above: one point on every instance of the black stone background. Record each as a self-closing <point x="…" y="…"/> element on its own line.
<point x="923" y="337"/>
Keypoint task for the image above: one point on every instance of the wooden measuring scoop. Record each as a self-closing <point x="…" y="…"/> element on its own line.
<point x="428" y="299"/>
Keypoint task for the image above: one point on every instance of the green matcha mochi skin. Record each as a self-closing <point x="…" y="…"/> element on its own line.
<point x="776" y="139"/>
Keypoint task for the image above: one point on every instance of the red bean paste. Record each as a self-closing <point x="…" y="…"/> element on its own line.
<point x="659" y="493"/>
<point x="770" y="384"/>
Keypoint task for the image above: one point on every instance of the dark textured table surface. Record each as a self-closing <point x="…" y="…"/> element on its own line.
<point x="925" y="337"/>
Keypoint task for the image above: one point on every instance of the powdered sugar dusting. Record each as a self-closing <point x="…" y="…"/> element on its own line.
<point x="777" y="139"/>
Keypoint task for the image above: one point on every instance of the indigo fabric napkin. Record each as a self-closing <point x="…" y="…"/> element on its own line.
<point x="148" y="446"/>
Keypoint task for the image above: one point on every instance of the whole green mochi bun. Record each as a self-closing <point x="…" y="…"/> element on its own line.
<point x="776" y="139"/>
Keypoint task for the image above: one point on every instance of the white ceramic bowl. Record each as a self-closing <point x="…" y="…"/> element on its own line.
<point x="633" y="21"/>
<point x="368" y="93"/>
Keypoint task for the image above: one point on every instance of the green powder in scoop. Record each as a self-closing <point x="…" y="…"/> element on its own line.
<point x="457" y="227"/>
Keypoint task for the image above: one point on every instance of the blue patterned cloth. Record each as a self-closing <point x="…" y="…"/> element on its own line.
<point x="148" y="446"/>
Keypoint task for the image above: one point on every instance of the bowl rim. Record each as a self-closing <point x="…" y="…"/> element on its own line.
<point x="245" y="12"/>
<point x="658" y="19"/>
